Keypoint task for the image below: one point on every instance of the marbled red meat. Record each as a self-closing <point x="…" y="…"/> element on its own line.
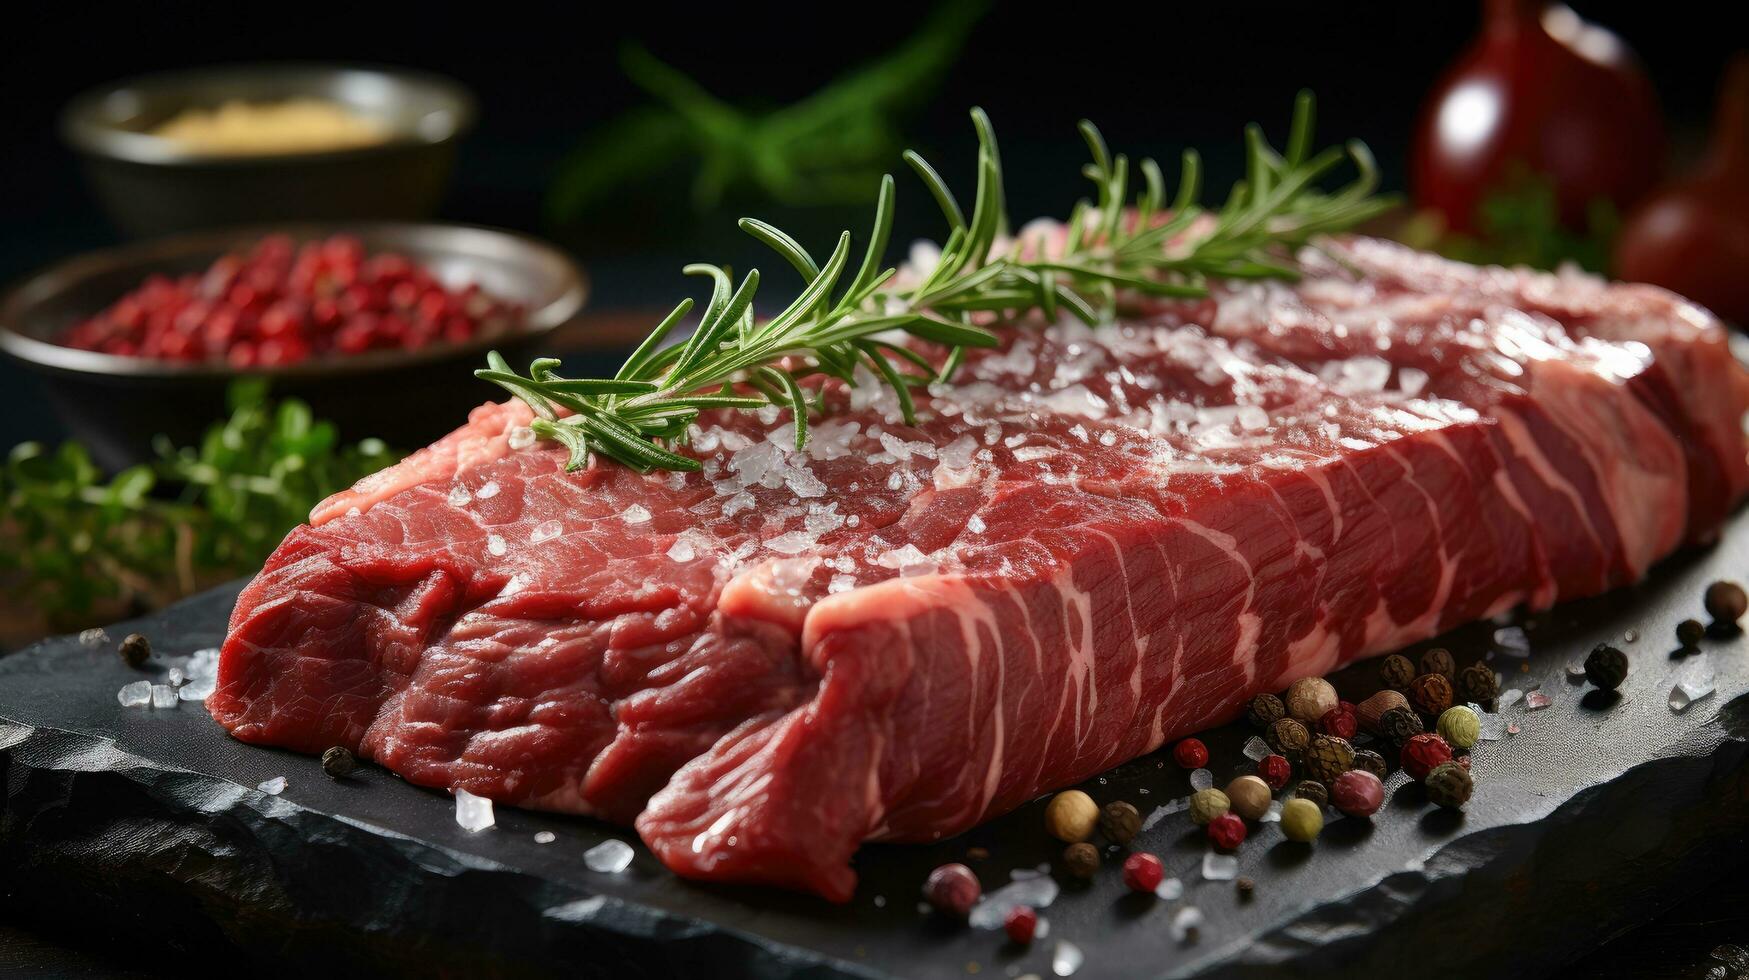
<point x="1096" y="541"/>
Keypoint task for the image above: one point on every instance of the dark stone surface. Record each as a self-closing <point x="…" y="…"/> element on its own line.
<point x="1589" y="821"/>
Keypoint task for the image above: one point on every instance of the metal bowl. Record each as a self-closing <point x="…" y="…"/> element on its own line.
<point x="152" y="186"/>
<point x="115" y="404"/>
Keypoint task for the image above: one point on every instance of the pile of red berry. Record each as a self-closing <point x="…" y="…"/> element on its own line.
<point x="281" y="303"/>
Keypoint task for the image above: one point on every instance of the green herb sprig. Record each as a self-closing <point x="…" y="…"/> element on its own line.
<point x="1115" y="244"/>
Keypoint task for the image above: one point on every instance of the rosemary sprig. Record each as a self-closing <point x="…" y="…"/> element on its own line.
<point x="1115" y="244"/>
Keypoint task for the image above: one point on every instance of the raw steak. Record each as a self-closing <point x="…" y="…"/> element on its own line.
<point x="1094" y="542"/>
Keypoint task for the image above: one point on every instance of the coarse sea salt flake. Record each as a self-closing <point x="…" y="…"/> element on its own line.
<point x="198" y="689"/>
<point x="545" y="531"/>
<point x="1696" y="680"/>
<point x="93" y="638"/>
<point x="681" y="550"/>
<point x="164" y="696"/>
<point x="610" y="857"/>
<point x="135" y="695"/>
<point x="1257" y="749"/>
<point x="635" y="514"/>
<point x="272" y="786"/>
<point x="1185" y="924"/>
<point x="1219" y="867"/>
<point x="1512" y="641"/>
<point x="487" y="490"/>
<point x="545" y="837"/>
<point x="1202" y="779"/>
<point x="496" y="546"/>
<point x="521" y="438"/>
<point x="1169" y="890"/>
<point x="1536" y="701"/>
<point x="459" y="496"/>
<point x="1037" y="891"/>
<point x="1066" y="958"/>
<point x="473" y="813"/>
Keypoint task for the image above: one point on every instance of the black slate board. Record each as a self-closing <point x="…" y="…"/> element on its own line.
<point x="1588" y="821"/>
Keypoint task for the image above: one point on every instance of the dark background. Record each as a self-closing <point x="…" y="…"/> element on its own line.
<point x="1156" y="76"/>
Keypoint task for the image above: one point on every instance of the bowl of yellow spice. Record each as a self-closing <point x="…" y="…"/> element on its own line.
<point x="256" y="144"/>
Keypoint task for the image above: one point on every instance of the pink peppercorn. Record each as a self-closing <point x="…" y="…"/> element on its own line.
<point x="1020" y="924"/>
<point x="1339" y="721"/>
<point x="1422" y="752"/>
<point x="1357" y="793"/>
<point x="1191" y="753"/>
<point x="1275" y="770"/>
<point x="1227" y="831"/>
<point x="1143" y="872"/>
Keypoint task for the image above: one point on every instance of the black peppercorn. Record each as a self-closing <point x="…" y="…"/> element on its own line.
<point x="1430" y="694"/>
<point x="1313" y="791"/>
<point x="1438" y="661"/>
<point x="1725" y="601"/>
<point x="1370" y="761"/>
<point x="1690" y="632"/>
<point x="1400" y="725"/>
<point x="1119" y="822"/>
<point x="1264" y="710"/>
<point x="1395" y="672"/>
<point x="1449" y="785"/>
<point x="339" y="762"/>
<point x="1328" y="757"/>
<point x="1606" y="667"/>
<point x="134" y="650"/>
<point x="1081" y="860"/>
<point x="1480" y="683"/>
<point x="1288" y="737"/>
<point x="1246" y="888"/>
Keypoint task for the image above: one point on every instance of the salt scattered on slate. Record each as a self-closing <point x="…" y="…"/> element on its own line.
<point x="1202" y="779"/>
<point x="164" y="696"/>
<point x="135" y="695"/>
<point x="203" y="663"/>
<point x="1512" y="729"/>
<point x="1696" y="680"/>
<point x="1169" y="890"/>
<point x="272" y="786"/>
<point x="609" y="857"/>
<point x="1161" y="813"/>
<point x="473" y="813"/>
<point x="1257" y="749"/>
<point x="1576" y="668"/>
<point x="1219" y="867"/>
<point x="1035" y="890"/>
<point x="1510" y="697"/>
<point x="1187" y="921"/>
<point x="1536" y="701"/>
<point x="198" y="689"/>
<point x="1512" y="641"/>
<point x="1066" y="959"/>
<point x="545" y="837"/>
<point x="1631" y="636"/>
<point x="1042" y="928"/>
<point x="93" y="638"/>
<point x="175" y="677"/>
<point x="1273" y="814"/>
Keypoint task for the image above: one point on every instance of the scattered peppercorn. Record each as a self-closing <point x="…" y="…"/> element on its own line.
<point x="1119" y="822"/>
<point x="1395" y="672"/>
<point x="1431" y="694"/>
<point x="952" y="889"/>
<point x="1366" y="760"/>
<point x="1480" y="683"/>
<point x="339" y="762"/>
<point x="1357" y="793"/>
<point x="1302" y="820"/>
<point x="1264" y="710"/>
<point x="1400" y="725"/>
<point x="1449" y="785"/>
<point x="1368" y="712"/>
<point x="1227" y="831"/>
<point x="1606" y="667"/>
<point x="1249" y="797"/>
<point x="1142" y="872"/>
<point x="134" y="650"/>
<point x="1246" y="888"/>
<point x="1423" y="752"/>
<point x="1191" y="753"/>
<point x="1081" y="860"/>
<point x="1311" y="789"/>
<point x="1071" y="816"/>
<point x="1725" y="602"/>
<point x="1275" y="770"/>
<point x="1460" y="726"/>
<point x="1021" y="923"/>
<point x="1690" y="632"/>
<point x="1288" y="736"/>
<point x="1438" y="661"/>
<point x="1328" y="757"/>
<point x="1207" y="804"/>
<point x="1339" y="721"/>
<point x="1309" y="698"/>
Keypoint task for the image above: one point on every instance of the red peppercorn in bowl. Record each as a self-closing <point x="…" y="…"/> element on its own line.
<point x="377" y="326"/>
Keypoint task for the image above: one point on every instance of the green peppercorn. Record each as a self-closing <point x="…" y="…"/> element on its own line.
<point x="1119" y="822"/>
<point x="1288" y="737"/>
<point x="1480" y="683"/>
<point x="135" y="650"/>
<point x="1449" y="785"/>
<point x="1395" y="672"/>
<point x="1400" y="725"/>
<point x="1206" y="805"/>
<point x="1328" y="757"/>
<point x="1690" y="632"/>
<point x="1438" y="661"/>
<point x="1264" y="710"/>
<point x="339" y="762"/>
<point x="1081" y="860"/>
<point x="1725" y="602"/>
<point x="1606" y="667"/>
<point x="1370" y="761"/>
<point x="1430" y="694"/>
<point x="1311" y="789"/>
<point x="1302" y="820"/>
<point x="1460" y="726"/>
